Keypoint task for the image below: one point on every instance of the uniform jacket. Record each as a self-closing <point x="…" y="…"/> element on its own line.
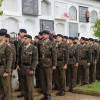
<point x="5" y="59"/>
<point x="47" y="53"/>
<point x="28" y="59"/>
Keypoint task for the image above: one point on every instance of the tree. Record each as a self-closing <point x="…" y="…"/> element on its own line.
<point x="97" y="28"/>
<point x="1" y="12"/>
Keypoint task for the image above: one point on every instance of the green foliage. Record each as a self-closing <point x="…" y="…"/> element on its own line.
<point x="1" y="12"/>
<point x="97" y="28"/>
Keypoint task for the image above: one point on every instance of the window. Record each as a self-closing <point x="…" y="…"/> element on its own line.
<point x="73" y="13"/>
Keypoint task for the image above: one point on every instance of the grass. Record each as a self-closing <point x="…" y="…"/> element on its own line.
<point x="94" y="86"/>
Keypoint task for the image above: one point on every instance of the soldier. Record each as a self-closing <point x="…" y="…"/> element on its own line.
<point x="94" y="59"/>
<point x="76" y="40"/>
<point x="20" y="44"/>
<point x="72" y="64"/>
<point x="62" y="60"/>
<point x="84" y="61"/>
<point x="96" y="42"/>
<point x="5" y="68"/>
<point x="48" y="61"/>
<point x="98" y="64"/>
<point x="7" y="39"/>
<point x="65" y="39"/>
<point x="86" y="41"/>
<point x="27" y="64"/>
<point x="54" y="38"/>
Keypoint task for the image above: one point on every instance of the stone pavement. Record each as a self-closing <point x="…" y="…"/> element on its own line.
<point x="68" y="96"/>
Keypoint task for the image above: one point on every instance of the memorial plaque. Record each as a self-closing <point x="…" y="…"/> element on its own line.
<point x="46" y="25"/>
<point x="30" y="7"/>
<point x="82" y="13"/>
<point x="73" y="29"/>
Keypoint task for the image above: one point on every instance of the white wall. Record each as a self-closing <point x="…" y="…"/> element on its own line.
<point x="13" y="19"/>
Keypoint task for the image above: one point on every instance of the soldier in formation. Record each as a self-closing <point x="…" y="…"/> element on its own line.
<point x="56" y="63"/>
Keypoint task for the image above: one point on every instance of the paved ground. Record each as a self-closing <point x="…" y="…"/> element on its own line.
<point x="68" y="96"/>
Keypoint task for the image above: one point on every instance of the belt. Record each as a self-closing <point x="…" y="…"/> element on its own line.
<point x="45" y="56"/>
<point x="59" y="59"/>
<point x="1" y="64"/>
<point x="83" y="58"/>
<point x="71" y="57"/>
<point x="26" y="64"/>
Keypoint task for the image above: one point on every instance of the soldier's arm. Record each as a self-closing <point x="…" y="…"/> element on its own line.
<point x="9" y="58"/>
<point x="66" y="54"/>
<point x="54" y="54"/>
<point x="96" y="53"/>
<point x="89" y="60"/>
<point x="34" y="59"/>
<point x="77" y="54"/>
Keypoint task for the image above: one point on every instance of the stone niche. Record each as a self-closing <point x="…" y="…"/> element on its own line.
<point x="11" y="6"/>
<point x="45" y="8"/>
<point x="11" y="24"/>
<point x="60" y="9"/>
<point x="60" y="28"/>
<point x="94" y="16"/>
<point x="83" y="30"/>
<point x="73" y="13"/>
<point x="30" y="26"/>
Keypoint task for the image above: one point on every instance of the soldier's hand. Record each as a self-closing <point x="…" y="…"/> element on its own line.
<point x="95" y="62"/>
<point x="88" y="64"/>
<point x="65" y="67"/>
<point x="31" y="72"/>
<point x="54" y="67"/>
<point x="5" y="74"/>
<point x="18" y="68"/>
<point x="76" y="64"/>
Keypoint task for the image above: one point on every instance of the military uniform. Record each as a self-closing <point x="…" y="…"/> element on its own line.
<point x="98" y="66"/>
<point x="92" y="69"/>
<point x="27" y="61"/>
<point x="60" y="73"/>
<point x="84" y="59"/>
<point x="14" y="54"/>
<point x="73" y="59"/>
<point x="18" y="53"/>
<point x="5" y="66"/>
<point x="47" y="59"/>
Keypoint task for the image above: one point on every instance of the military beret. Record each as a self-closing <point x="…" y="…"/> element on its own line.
<point x="37" y="37"/>
<point x="71" y="38"/>
<point x="96" y="40"/>
<point x="60" y="35"/>
<point x="66" y="37"/>
<point x="45" y="32"/>
<point x="2" y="33"/>
<point x="4" y="30"/>
<point x="75" y="38"/>
<point x="54" y="36"/>
<point x="86" y="39"/>
<point x="28" y="36"/>
<point x="7" y="36"/>
<point x="23" y="30"/>
<point x="40" y="33"/>
<point x="83" y="38"/>
<point x="91" y="39"/>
